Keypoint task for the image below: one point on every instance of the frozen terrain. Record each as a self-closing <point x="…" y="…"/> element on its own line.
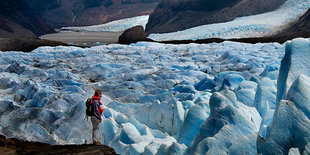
<point x="244" y="27"/>
<point x="114" y="26"/>
<point x="161" y="98"/>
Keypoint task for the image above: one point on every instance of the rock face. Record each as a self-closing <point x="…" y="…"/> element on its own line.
<point x="133" y="35"/>
<point x="175" y="15"/>
<point x="18" y="20"/>
<point x="63" y="13"/>
<point x="15" y="146"/>
<point x="299" y="29"/>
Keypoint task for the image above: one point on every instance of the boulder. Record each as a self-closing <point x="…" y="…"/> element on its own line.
<point x="133" y="35"/>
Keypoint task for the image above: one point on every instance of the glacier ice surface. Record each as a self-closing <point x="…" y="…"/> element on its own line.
<point x="159" y="98"/>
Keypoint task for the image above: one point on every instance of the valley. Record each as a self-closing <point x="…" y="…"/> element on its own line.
<point x="84" y="38"/>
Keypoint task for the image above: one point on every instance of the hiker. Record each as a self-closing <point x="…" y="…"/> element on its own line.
<point x="96" y="119"/>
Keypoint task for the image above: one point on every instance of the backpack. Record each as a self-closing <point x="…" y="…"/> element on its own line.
<point x="89" y="107"/>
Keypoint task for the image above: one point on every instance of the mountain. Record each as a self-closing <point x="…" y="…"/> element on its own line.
<point x="17" y="20"/>
<point x="15" y="146"/>
<point x="26" y="44"/>
<point x="176" y="15"/>
<point x="64" y="13"/>
<point x="300" y="28"/>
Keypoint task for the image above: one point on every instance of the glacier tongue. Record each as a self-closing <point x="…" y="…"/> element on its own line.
<point x="114" y="26"/>
<point x="260" y="25"/>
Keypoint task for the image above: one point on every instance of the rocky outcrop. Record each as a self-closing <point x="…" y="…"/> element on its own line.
<point x="175" y="15"/>
<point x="26" y="44"/>
<point x="90" y="12"/>
<point x="133" y="35"/>
<point x="18" y="20"/>
<point x="15" y="146"/>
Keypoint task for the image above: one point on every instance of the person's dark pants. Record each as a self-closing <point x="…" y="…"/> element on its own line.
<point x="95" y="121"/>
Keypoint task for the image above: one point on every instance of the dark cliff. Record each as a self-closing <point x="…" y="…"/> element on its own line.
<point x="18" y="20"/>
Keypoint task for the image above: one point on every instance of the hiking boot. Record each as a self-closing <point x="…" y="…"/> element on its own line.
<point x="97" y="143"/>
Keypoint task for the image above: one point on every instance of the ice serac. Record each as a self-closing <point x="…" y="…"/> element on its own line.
<point x="175" y="149"/>
<point x="244" y="145"/>
<point x="231" y="81"/>
<point x="246" y="92"/>
<point x="225" y="119"/>
<point x="290" y="127"/>
<point x="265" y="96"/>
<point x="295" y="62"/>
<point x="265" y="102"/>
<point x="194" y="118"/>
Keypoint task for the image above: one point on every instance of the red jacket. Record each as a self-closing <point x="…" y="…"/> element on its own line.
<point x="98" y="111"/>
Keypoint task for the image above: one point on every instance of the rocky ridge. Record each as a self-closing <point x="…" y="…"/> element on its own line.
<point x="14" y="146"/>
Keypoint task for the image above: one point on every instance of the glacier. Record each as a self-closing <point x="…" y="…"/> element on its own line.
<point x="114" y="26"/>
<point x="288" y="130"/>
<point x="259" y="25"/>
<point x="217" y="98"/>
